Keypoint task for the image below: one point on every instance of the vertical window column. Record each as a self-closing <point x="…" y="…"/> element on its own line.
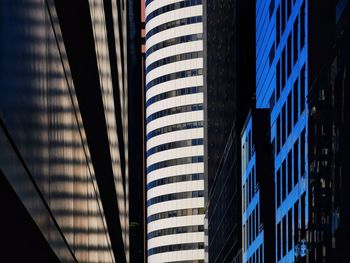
<point x="302" y="26"/>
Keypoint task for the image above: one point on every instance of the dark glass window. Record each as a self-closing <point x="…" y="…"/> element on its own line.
<point x="279" y="241"/>
<point x="272" y="53"/>
<point x="295" y="98"/>
<point x="284" y="181"/>
<point x="174" y="196"/>
<point x="175" y="213"/>
<point x="302" y="210"/>
<point x="302" y="26"/>
<point x="175" y="110"/>
<point x="278" y="28"/>
<point x="278" y="187"/>
<point x="174" y="145"/>
<point x="253" y="181"/>
<point x="247" y="193"/>
<point x="296" y="221"/>
<point x="257" y="221"/>
<point x="173" y="24"/>
<point x="289" y="56"/>
<point x="271" y="8"/>
<point x="278" y="80"/>
<point x="174" y="162"/>
<point x="289" y="113"/>
<point x="249" y="230"/>
<point x="173" y="41"/>
<point x="284" y="236"/>
<point x="295" y="40"/>
<point x="283" y="122"/>
<point x="253" y="225"/>
<point x="175" y="58"/>
<point x="249" y="189"/>
<point x="272" y="100"/>
<point x="175" y="75"/>
<point x="302" y="153"/>
<point x="175" y="179"/>
<point x="296" y="158"/>
<point x="174" y="93"/>
<point x="283" y="2"/>
<point x="290" y="229"/>
<point x="290" y="175"/>
<point x="244" y="201"/>
<point x="283" y="69"/>
<point x="170" y="7"/>
<point x="175" y="230"/>
<point x="278" y="133"/>
<point x="175" y="127"/>
<point x="289" y="8"/>
<point x="302" y="89"/>
<point x="177" y="247"/>
<point x="148" y="2"/>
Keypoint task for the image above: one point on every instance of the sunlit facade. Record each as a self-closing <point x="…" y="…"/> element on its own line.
<point x="46" y="151"/>
<point x="174" y="131"/>
<point x="108" y="90"/>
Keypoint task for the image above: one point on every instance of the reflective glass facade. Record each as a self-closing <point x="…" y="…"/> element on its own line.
<point x="282" y="81"/>
<point x="44" y="150"/>
<point x="50" y="153"/>
<point x="174" y="131"/>
<point x="301" y="74"/>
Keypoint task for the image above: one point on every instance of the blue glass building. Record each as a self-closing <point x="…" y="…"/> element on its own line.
<point x="300" y="77"/>
<point x="282" y="77"/>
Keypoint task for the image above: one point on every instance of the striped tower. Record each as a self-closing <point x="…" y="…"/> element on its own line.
<point x="174" y="130"/>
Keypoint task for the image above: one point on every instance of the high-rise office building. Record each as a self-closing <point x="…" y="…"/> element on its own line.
<point x="174" y="130"/>
<point x="300" y="69"/>
<point x="282" y="77"/>
<point x="63" y="129"/>
<point x="229" y="89"/>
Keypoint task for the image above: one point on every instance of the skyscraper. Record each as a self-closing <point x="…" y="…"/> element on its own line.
<point x="174" y="131"/>
<point x="300" y="69"/>
<point x="229" y="86"/>
<point x="63" y="135"/>
<point x="281" y="73"/>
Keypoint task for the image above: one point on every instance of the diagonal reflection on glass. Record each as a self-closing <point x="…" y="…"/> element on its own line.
<point x="39" y="109"/>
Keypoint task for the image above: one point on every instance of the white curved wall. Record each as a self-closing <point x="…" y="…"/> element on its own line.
<point x="175" y="150"/>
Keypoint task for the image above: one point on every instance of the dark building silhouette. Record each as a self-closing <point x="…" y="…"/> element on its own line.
<point x="229" y="86"/>
<point x="258" y="200"/>
<point x="135" y="119"/>
<point x="327" y="233"/>
<point x="64" y="130"/>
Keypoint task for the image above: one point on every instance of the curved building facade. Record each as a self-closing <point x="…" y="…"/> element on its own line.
<point x="174" y="130"/>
